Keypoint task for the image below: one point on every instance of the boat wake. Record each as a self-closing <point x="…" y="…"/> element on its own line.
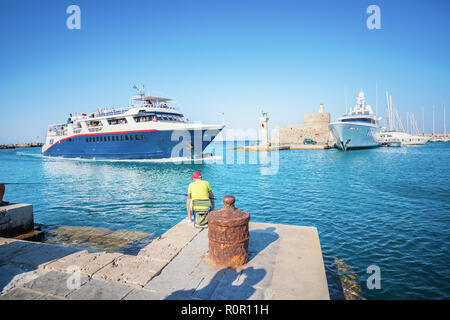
<point x="163" y="160"/>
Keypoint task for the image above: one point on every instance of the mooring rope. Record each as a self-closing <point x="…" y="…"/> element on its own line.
<point x="60" y="183"/>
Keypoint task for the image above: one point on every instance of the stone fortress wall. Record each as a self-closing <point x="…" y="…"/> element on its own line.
<point x="315" y="127"/>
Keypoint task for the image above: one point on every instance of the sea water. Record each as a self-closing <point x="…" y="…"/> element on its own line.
<point x="387" y="207"/>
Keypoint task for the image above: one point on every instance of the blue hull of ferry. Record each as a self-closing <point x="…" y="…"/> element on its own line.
<point x="149" y="145"/>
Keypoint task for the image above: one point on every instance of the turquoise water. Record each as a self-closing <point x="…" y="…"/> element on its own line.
<point x="387" y="207"/>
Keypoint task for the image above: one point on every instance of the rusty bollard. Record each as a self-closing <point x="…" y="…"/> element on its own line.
<point x="2" y="192"/>
<point x="228" y="235"/>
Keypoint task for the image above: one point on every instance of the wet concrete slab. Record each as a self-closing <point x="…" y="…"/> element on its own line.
<point x="100" y="239"/>
<point x="285" y="262"/>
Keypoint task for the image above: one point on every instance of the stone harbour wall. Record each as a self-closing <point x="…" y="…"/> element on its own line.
<point x="315" y="127"/>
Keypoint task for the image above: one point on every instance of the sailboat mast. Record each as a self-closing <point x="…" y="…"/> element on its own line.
<point x="376" y="99"/>
<point x="392" y="113"/>
<point x="407" y="122"/>
<point x="423" y="121"/>
<point x="433" y="120"/>
<point x="387" y="121"/>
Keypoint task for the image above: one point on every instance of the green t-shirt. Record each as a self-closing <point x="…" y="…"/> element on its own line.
<point x="199" y="190"/>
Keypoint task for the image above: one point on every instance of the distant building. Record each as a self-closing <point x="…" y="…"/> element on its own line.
<point x="315" y="127"/>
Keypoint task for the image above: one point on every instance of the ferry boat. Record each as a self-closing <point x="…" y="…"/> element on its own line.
<point x="358" y="129"/>
<point x="148" y="129"/>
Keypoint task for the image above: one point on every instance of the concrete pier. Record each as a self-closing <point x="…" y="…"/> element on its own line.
<point x="16" y="219"/>
<point x="285" y="262"/>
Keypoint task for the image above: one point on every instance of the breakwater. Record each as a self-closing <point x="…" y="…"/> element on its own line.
<point x="21" y="145"/>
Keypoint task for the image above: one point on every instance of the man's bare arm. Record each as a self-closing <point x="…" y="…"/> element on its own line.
<point x="188" y="207"/>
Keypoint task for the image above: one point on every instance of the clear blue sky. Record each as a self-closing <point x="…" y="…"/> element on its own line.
<point x="214" y="56"/>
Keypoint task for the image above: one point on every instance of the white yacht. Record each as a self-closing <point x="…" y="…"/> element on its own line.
<point x="358" y="129"/>
<point x="404" y="138"/>
<point x="395" y="131"/>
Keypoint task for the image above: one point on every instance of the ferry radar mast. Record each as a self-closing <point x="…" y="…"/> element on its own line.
<point x="141" y="93"/>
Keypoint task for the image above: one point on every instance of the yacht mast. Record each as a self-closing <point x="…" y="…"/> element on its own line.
<point x="387" y="120"/>
<point x="376" y="99"/>
<point x="433" y="120"/>
<point x="423" y="121"/>
<point x="407" y="122"/>
<point x="392" y="113"/>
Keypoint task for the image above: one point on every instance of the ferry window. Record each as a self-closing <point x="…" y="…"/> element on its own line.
<point x="158" y="117"/>
<point x="137" y="137"/>
<point x="117" y="121"/>
<point x="121" y="138"/>
<point x="87" y="139"/>
<point x="97" y="139"/>
<point x="143" y="137"/>
<point x="109" y="138"/>
<point x="113" y="138"/>
<point x="131" y="138"/>
<point x="126" y="138"/>
<point x="137" y="119"/>
<point x="165" y="118"/>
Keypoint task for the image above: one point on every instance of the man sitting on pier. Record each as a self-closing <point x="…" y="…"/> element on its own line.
<point x="199" y="190"/>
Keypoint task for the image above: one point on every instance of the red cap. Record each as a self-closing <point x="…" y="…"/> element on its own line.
<point x="196" y="175"/>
